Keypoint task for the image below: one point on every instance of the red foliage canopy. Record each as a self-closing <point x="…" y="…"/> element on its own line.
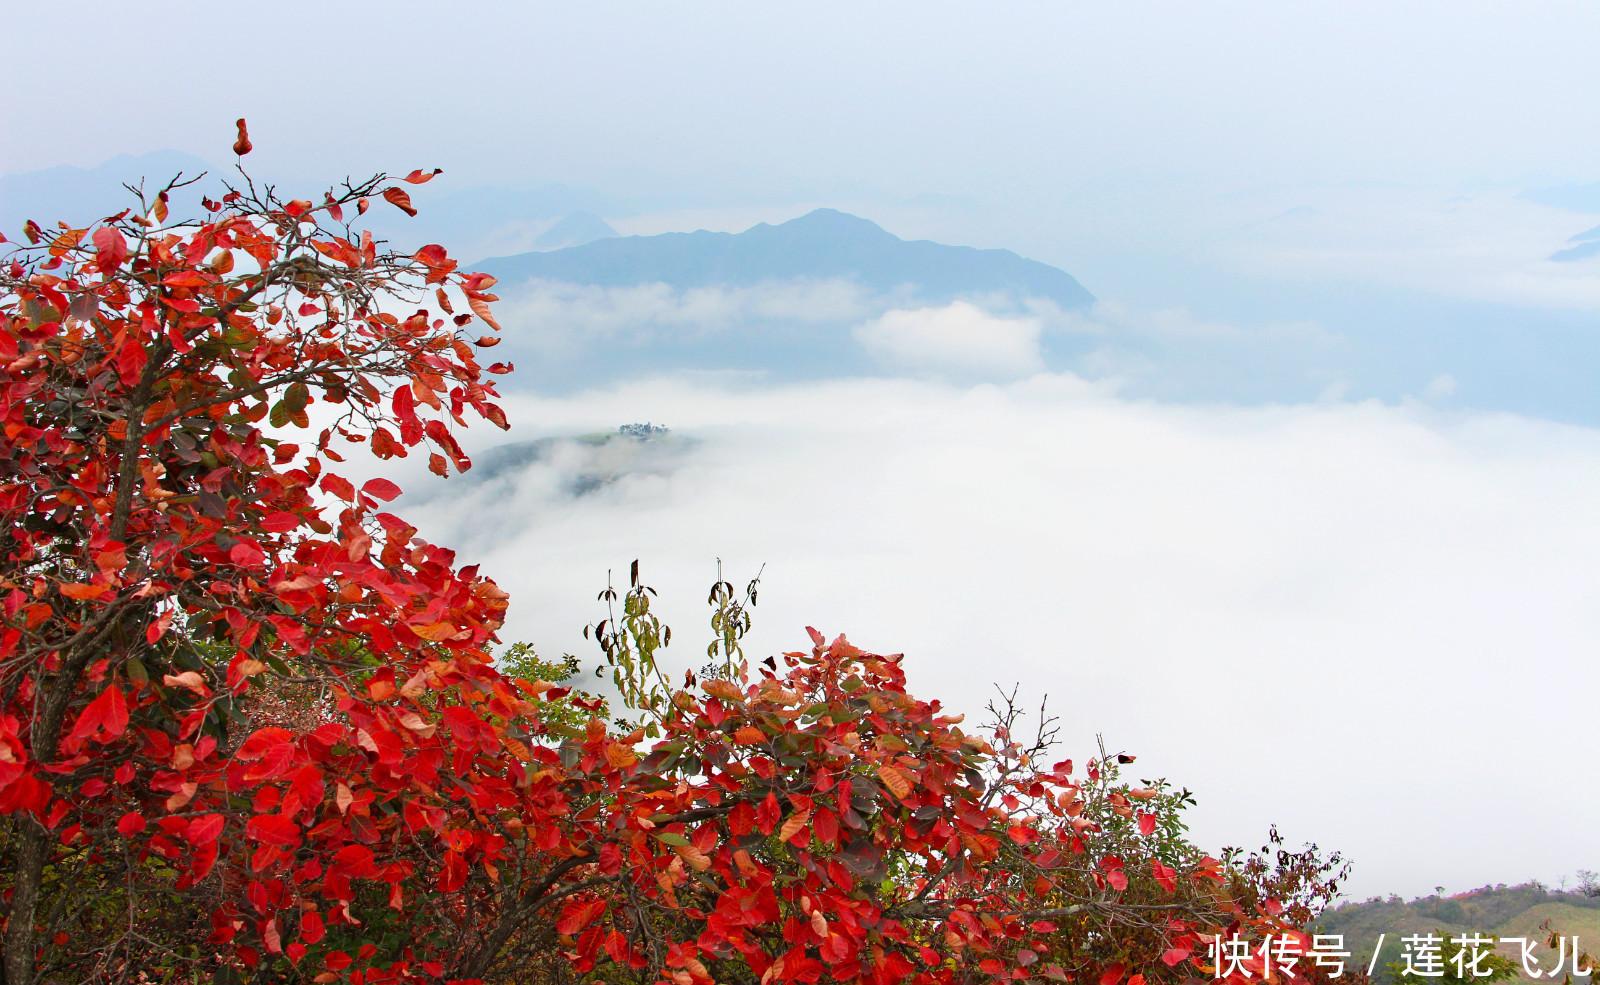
<point x="235" y="691"/>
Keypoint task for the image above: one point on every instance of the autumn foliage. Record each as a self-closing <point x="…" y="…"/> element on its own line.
<point x="252" y="731"/>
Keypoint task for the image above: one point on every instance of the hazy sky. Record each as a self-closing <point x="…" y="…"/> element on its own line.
<point x="1005" y="100"/>
<point x="1310" y="611"/>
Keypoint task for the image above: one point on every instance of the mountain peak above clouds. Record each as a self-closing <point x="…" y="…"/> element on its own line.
<point x="822" y="244"/>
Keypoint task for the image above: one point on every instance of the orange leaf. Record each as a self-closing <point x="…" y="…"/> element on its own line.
<point x="620" y="754"/>
<point x="73" y="591"/>
<point x="696" y="858"/>
<point x="792" y="827"/>
<point x="399" y="200"/>
<point x="188" y="679"/>
<point x="896" y="781"/>
<point x="481" y="309"/>
<point x="436" y="631"/>
<point x="418" y="176"/>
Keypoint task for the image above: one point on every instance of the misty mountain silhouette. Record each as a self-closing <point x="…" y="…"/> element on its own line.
<point x="82" y="195"/>
<point x="574" y="229"/>
<point x="821" y="244"/>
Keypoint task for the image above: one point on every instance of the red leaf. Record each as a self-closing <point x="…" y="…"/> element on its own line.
<point x="826" y="828"/>
<point x="204" y="829"/>
<point x="1147" y="824"/>
<point x="278" y="523"/>
<point x="381" y="489"/>
<point x="159" y="627"/>
<point x="578" y="915"/>
<point x="1165" y="875"/>
<point x="273" y="829"/>
<point x="338" y="486"/>
<point x="130" y="825"/>
<point x="112" y="249"/>
<point x="242" y="146"/>
<point x="418" y="176"/>
<point x="246" y="555"/>
<point x="105" y="718"/>
<point x="454" y="875"/>
<point x="399" y="200"/>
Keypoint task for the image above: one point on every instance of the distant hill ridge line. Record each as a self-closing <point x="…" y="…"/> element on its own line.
<point x="822" y="244"/>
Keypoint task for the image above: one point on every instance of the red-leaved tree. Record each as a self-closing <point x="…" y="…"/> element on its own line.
<point x="161" y="549"/>
<point x="250" y="727"/>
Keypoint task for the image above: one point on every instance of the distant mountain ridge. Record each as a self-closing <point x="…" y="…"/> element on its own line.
<point x="82" y="195"/>
<point x="821" y="244"/>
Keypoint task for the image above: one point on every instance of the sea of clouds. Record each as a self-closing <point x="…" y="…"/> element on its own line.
<point x="1372" y="624"/>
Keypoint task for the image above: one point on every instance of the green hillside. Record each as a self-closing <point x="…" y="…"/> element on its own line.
<point x="1529" y="910"/>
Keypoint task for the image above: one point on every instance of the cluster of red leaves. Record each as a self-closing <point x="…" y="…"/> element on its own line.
<point x="161" y="549"/>
<point x="174" y="575"/>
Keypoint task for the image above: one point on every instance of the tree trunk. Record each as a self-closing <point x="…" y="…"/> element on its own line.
<point x="17" y="957"/>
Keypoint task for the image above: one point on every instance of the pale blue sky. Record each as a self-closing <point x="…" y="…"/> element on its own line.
<point x="992" y="100"/>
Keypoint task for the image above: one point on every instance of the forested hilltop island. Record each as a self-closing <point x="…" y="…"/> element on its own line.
<point x="1531" y="910"/>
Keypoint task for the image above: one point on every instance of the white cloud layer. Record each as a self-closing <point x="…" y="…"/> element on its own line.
<point x="1372" y="625"/>
<point x="959" y="341"/>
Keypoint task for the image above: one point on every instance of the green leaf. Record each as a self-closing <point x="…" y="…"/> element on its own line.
<point x="668" y="838"/>
<point x="296" y="397"/>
